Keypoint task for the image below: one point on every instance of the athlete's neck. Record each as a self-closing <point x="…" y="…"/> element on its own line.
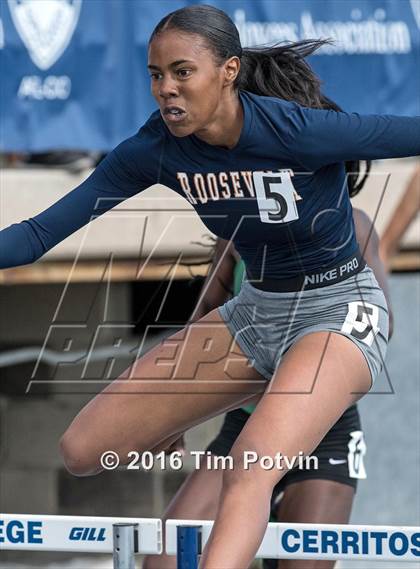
<point x="225" y="129"/>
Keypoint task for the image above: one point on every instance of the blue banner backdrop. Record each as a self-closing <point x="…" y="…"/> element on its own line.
<point x="73" y="72"/>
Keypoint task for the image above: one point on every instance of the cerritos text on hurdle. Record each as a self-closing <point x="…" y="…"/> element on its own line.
<point x="110" y="460"/>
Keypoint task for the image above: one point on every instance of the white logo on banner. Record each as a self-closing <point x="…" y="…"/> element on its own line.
<point x="415" y="6"/>
<point x="45" y="26"/>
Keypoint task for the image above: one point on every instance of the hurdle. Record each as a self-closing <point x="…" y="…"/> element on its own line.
<point x="305" y="541"/>
<point x="124" y="538"/>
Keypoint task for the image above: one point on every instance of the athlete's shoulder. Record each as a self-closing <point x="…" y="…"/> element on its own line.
<point x="287" y="118"/>
<point x="145" y="140"/>
<point x="273" y="107"/>
<point x="153" y="125"/>
<point x="135" y="159"/>
<point x="269" y="103"/>
<point x="151" y="130"/>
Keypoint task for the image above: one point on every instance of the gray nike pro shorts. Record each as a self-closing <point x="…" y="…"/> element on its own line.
<point x="265" y="324"/>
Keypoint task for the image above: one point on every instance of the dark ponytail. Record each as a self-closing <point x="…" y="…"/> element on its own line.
<point x="278" y="71"/>
<point x="281" y="71"/>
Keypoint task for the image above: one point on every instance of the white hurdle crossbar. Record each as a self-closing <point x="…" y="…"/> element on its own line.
<point x="322" y="541"/>
<point x="81" y="534"/>
<point x="85" y="534"/>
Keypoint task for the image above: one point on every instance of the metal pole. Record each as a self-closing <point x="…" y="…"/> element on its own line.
<point x="126" y="539"/>
<point x="188" y="546"/>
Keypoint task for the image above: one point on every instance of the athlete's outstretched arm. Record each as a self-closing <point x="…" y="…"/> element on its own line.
<point x="117" y="178"/>
<point x="321" y="137"/>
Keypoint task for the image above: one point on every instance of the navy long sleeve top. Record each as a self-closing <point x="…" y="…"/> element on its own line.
<point x="280" y="194"/>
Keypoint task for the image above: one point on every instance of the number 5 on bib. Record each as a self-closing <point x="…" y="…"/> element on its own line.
<point x="275" y="196"/>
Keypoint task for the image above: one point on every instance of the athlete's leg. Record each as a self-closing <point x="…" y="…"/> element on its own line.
<point x="319" y="377"/>
<point x="197" y="499"/>
<point x="195" y="374"/>
<point x="318" y="502"/>
<point x="165" y="444"/>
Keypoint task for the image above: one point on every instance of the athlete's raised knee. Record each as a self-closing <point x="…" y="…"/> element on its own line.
<point x="77" y="458"/>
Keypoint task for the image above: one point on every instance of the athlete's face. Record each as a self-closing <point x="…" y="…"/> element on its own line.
<point x="187" y="83"/>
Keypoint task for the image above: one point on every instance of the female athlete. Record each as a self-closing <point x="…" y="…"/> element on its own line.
<point x="322" y="495"/>
<point x="309" y="328"/>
